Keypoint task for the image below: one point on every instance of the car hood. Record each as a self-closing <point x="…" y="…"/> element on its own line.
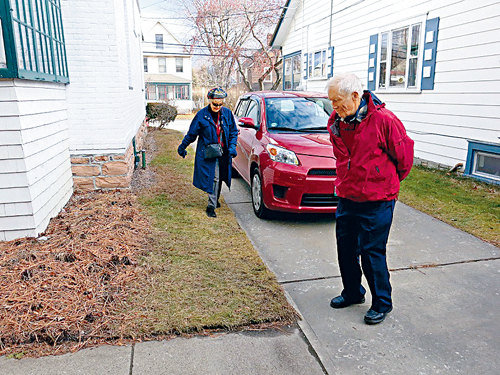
<point x="315" y="144"/>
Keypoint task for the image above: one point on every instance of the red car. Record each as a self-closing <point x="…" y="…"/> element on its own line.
<point x="285" y="153"/>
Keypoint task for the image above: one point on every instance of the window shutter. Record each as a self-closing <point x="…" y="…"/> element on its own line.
<point x="429" y="60"/>
<point x="372" y="62"/>
<point x="304" y="65"/>
<point x="329" y="67"/>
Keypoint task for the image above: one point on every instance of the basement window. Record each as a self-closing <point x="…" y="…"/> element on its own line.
<point x="483" y="161"/>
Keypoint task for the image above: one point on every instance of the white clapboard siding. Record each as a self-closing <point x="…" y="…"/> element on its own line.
<point x="480" y="112"/>
<point x="464" y="103"/>
<point x="478" y="64"/>
<point x="35" y="157"/>
<point x="12" y="165"/>
<point x="14" y="195"/>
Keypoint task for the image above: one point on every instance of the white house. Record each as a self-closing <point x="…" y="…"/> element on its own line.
<point x="71" y="105"/>
<point x="435" y="63"/>
<point x="167" y="67"/>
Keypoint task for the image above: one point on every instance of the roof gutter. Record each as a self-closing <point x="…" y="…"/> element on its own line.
<point x="282" y="17"/>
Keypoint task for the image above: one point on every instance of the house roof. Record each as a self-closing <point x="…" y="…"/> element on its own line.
<point x="149" y="25"/>
<point x="284" y="23"/>
<point x="164" y="78"/>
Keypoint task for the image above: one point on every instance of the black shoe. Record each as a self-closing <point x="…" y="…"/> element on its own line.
<point x="218" y="205"/>
<point x="339" y="302"/>
<point x="211" y="212"/>
<point x="373" y="317"/>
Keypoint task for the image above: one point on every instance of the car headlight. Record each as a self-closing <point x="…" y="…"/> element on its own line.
<point x="282" y="155"/>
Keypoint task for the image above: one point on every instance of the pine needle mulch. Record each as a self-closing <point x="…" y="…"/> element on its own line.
<point x="114" y="268"/>
<point x="69" y="288"/>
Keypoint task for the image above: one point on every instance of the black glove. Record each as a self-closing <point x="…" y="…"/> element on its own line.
<point x="182" y="151"/>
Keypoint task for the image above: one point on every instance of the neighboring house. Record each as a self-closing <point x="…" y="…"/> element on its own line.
<point x="435" y="63"/>
<point x="167" y="67"/>
<point x="252" y="73"/>
<point x="71" y="105"/>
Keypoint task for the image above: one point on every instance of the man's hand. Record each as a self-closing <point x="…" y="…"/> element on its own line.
<point x="232" y="152"/>
<point x="181" y="151"/>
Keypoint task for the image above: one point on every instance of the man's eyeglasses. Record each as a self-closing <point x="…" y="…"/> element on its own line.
<point x="217" y="104"/>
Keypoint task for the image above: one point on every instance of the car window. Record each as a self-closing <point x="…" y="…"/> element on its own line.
<point x="241" y="108"/>
<point x="298" y="114"/>
<point x="253" y="112"/>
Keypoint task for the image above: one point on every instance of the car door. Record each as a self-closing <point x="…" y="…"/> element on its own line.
<point x="246" y="138"/>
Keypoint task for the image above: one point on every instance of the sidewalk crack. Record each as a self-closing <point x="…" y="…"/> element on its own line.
<point x="131" y="359"/>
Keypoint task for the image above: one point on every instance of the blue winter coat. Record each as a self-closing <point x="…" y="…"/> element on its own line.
<point x="203" y="127"/>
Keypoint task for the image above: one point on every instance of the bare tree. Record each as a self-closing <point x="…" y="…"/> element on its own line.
<point x="235" y="33"/>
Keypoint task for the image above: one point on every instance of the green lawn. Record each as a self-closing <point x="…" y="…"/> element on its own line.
<point x="465" y="203"/>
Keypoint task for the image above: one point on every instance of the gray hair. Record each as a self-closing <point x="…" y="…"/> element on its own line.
<point x="346" y="83"/>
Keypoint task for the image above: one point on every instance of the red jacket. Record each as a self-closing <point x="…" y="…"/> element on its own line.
<point x="381" y="156"/>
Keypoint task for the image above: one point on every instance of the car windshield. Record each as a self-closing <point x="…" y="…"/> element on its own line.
<point x="307" y="115"/>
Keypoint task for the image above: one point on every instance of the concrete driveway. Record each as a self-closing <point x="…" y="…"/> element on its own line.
<point x="446" y="316"/>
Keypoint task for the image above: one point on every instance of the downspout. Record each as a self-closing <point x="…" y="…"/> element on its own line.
<point x="331" y="26"/>
<point x="136" y="155"/>
<point x="307" y="44"/>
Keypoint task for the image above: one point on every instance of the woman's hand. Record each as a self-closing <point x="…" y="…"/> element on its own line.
<point x="182" y="151"/>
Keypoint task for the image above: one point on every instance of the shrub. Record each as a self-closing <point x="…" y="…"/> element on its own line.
<point x="163" y="113"/>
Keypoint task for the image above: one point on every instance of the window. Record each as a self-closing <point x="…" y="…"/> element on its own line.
<point x="253" y="112"/>
<point x="179" y="65"/>
<point x="3" y="59"/>
<point x="483" y="161"/>
<point x="317" y="62"/>
<point x="269" y="77"/>
<point x="162" y="64"/>
<point x="145" y="64"/>
<point x="242" y="107"/>
<point x="182" y="92"/>
<point x="292" y="72"/>
<point x="487" y="165"/>
<point x="165" y="91"/>
<point x="399" y="58"/>
<point x="32" y="41"/>
<point x="150" y="92"/>
<point x="159" y="41"/>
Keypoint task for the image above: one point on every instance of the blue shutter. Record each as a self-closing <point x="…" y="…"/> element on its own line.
<point x="304" y="63"/>
<point x="329" y="67"/>
<point x="429" y="59"/>
<point x="372" y="62"/>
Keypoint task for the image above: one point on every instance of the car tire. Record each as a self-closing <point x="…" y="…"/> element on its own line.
<point x="259" y="208"/>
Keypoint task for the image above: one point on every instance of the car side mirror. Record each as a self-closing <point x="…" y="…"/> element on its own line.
<point x="246" y="122"/>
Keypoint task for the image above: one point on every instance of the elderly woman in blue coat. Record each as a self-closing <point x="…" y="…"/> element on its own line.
<point x="214" y="126"/>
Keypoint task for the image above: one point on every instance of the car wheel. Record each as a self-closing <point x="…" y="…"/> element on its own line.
<point x="257" y="197"/>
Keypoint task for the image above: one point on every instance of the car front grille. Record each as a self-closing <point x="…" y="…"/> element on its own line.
<point x="322" y="172"/>
<point x="319" y="200"/>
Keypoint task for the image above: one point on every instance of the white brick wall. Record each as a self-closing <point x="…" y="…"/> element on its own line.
<point x="105" y="96"/>
<point x="35" y="174"/>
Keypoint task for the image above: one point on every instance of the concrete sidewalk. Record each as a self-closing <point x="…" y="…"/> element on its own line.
<point x="446" y="317"/>
<point x="446" y="286"/>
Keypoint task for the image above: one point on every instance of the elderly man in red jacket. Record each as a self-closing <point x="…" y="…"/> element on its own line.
<point x="373" y="155"/>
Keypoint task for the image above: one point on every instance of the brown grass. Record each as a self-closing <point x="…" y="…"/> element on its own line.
<point x="102" y="273"/>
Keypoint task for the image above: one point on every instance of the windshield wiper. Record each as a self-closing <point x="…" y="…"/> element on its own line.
<point x="301" y="130"/>
<point x="313" y="129"/>
<point x="282" y="128"/>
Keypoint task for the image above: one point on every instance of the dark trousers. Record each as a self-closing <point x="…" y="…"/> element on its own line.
<point x="362" y="230"/>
